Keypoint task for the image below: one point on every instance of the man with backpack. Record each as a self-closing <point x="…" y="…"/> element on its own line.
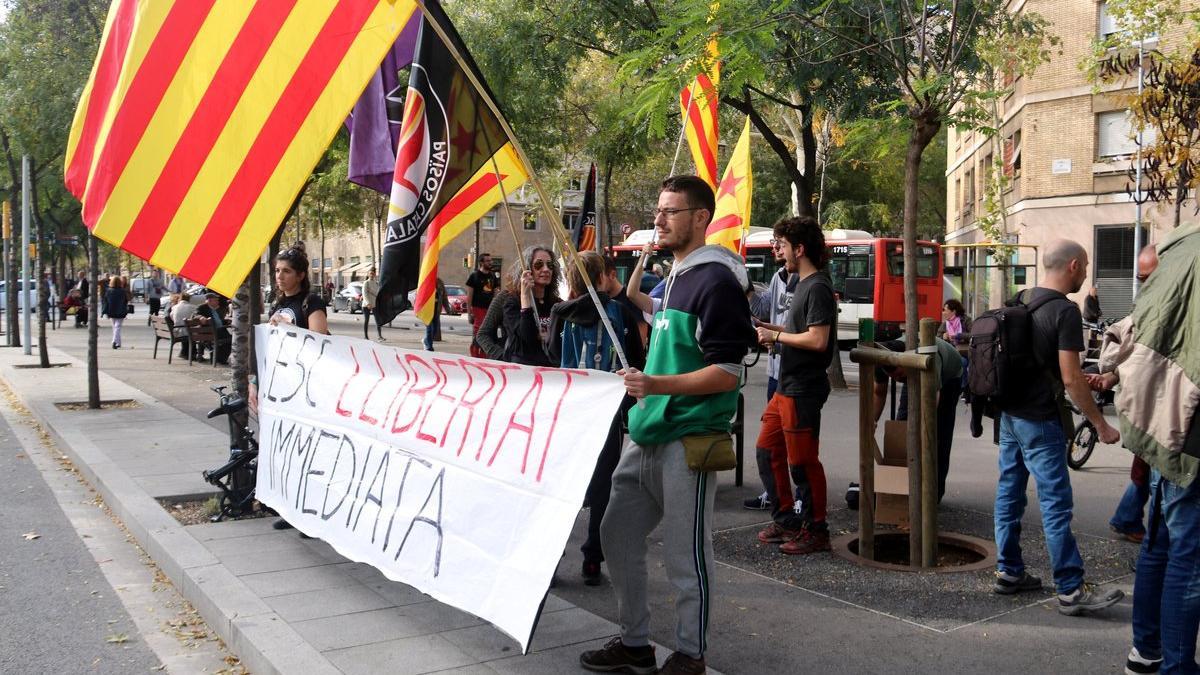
<point x="579" y="340"/>
<point x="1024" y="357"/>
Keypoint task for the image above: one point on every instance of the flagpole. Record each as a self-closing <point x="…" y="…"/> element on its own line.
<point x="555" y="223"/>
<point x="509" y="217"/>
<point x="683" y="127"/>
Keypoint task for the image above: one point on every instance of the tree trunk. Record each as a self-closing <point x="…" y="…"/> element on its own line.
<point x="1181" y="192"/>
<point x="256" y="312"/>
<point x="43" y="304"/>
<point x="802" y="180"/>
<point x="927" y="123"/>
<point x="93" y="363"/>
<point x="240" y="331"/>
<point x="13" y="327"/>
<point x="608" y="172"/>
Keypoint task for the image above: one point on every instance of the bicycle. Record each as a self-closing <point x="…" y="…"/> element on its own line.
<point x="236" y="478"/>
<point x="1083" y="441"/>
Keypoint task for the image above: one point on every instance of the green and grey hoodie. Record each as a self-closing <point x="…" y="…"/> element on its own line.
<point x="704" y="321"/>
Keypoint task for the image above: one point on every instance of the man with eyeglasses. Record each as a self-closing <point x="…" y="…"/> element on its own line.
<point x="688" y="395"/>
<point x="481" y="288"/>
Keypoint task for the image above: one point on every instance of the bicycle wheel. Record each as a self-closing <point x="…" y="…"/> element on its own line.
<point x="1081" y="445"/>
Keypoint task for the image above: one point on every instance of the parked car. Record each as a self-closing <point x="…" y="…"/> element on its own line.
<point x="349" y="298"/>
<point x="33" y="290"/>
<point x="456" y="299"/>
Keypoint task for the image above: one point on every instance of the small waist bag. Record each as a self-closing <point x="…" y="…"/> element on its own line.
<point x="709" y="452"/>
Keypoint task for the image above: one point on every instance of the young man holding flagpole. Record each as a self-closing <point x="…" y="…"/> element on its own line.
<point x="688" y="393"/>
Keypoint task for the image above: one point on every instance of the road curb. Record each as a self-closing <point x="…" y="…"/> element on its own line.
<point x="263" y="641"/>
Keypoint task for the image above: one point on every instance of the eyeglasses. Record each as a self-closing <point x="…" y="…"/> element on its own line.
<point x="667" y="213"/>
<point x="542" y="264"/>
<point x="776" y="243"/>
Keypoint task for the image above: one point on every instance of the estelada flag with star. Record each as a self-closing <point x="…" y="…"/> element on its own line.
<point x="450" y="141"/>
<point x="732" y="217"/>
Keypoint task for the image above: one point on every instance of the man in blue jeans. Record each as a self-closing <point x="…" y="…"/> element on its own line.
<point x="1162" y="429"/>
<point x="1032" y="440"/>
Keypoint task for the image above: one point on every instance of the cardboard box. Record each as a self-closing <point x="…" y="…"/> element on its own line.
<point x="895" y="443"/>
<point x="891" y="510"/>
<point x="891" y="477"/>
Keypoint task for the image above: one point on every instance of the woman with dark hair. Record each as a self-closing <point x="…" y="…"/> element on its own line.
<point x="956" y="325"/>
<point x="295" y="302"/>
<point x="532" y="293"/>
<point x="117" y="301"/>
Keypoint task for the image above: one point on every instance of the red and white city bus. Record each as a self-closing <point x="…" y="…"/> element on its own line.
<point x="867" y="274"/>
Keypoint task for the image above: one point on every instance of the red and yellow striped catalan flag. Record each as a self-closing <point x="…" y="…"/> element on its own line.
<point x="698" y="104"/>
<point x="731" y="220"/>
<point x="203" y="118"/>
<point x="478" y="196"/>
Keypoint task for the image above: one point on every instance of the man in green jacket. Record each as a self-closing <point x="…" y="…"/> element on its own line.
<point x="689" y="389"/>
<point x="1159" y="371"/>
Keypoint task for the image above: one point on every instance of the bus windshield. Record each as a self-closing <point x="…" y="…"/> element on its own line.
<point x="927" y="263"/>
<point x="850" y="271"/>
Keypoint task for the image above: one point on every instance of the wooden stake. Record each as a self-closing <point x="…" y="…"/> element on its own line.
<point x="929" y="456"/>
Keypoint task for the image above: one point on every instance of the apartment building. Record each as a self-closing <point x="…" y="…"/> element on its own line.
<point x="1066" y="149"/>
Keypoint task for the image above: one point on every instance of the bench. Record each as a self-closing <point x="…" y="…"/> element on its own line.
<point x="163" y="330"/>
<point x="201" y="335"/>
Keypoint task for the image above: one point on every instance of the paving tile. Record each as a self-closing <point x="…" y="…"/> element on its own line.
<point x="567" y="627"/>
<point x="271" y="584"/>
<point x="232" y="528"/>
<point x="328" y="602"/>
<point x="255" y="560"/>
<point x="406" y="656"/>
<point x="359" y="628"/>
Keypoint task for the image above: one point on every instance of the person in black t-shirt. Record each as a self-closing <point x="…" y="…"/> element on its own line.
<point x="481" y="288"/>
<point x="295" y="303"/>
<point x="1033" y="439"/>
<point x="531" y="296"/>
<point x="791" y="424"/>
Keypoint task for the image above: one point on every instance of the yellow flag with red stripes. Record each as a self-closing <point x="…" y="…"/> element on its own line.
<point x="202" y="119"/>
<point x="698" y="103"/>
<point x="479" y="195"/>
<point x="732" y="217"/>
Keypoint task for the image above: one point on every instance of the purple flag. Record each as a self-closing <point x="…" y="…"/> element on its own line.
<point x="374" y="124"/>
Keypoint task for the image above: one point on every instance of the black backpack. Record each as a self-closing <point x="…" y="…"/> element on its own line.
<point x="1001" y="349"/>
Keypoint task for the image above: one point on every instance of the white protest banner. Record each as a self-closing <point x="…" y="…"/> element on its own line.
<point x="459" y="476"/>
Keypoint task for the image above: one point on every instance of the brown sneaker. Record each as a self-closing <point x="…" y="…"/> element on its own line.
<point x="776" y="534"/>
<point x="807" y="542"/>
<point x="682" y="664"/>
<point x="615" y="657"/>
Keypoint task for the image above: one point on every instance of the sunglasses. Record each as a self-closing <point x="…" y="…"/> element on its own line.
<point x="542" y="264"/>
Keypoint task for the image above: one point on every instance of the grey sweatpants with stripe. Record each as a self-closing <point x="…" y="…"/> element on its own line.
<point x="653" y="484"/>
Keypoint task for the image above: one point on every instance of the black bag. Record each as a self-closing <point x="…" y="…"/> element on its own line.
<point x="1001" y="349"/>
<point x="129" y="308"/>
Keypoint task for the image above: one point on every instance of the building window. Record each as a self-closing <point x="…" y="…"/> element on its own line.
<point x="575" y="183"/>
<point x="958" y="193"/>
<point x="1012" y="155"/>
<point x="1110" y="27"/>
<point x="969" y="192"/>
<point x="529" y="222"/>
<point x="488" y="222"/>
<point x="1114" y="135"/>
<point x="329" y="262"/>
<point x="354" y="260"/>
<point x="1114" y="256"/>
<point x="570" y="219"/>
<point x="316" y="262"/>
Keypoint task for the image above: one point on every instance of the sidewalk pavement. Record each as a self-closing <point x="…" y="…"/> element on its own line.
<point x="771" y="613"/>
<point x="283" y="604"/>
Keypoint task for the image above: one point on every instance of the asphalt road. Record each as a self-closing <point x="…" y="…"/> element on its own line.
<point x="58" y="613"/>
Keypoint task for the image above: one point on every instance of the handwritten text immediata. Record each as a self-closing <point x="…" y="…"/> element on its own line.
<point x="425" y="403"/>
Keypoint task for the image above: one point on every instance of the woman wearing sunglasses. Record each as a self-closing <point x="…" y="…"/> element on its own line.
<point x="532" y="292"/>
